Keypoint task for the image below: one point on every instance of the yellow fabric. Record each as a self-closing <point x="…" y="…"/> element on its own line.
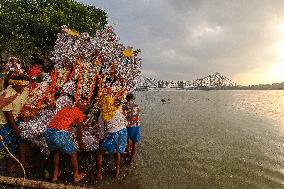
<point x="18" y="82"/>
<point x="107" y="108"/>
<point x="15" y="106"/>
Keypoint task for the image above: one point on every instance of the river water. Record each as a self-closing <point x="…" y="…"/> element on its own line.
<point x="209" y="139"/>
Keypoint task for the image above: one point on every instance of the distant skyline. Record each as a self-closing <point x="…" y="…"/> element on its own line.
<point x="189" y="39"/>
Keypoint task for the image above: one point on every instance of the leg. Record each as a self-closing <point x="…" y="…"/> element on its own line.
<point x="129" y="151"/>
<point x="117" y="163"/>
<point x="129" y="147"/>
<point x="27" y="150"/>
<point x="56" y="157"/>
<point x="133" y="151"/>
<point x="10" y="165"/>
<point x="22" y="154"/>
<point x="77" y="176"/>
<point x="99" y="161"/>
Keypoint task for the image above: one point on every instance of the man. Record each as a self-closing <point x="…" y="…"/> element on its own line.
<point x="133" y="128"/>
<point x="9" y="115"/>
<point x="115" y="139"/>
<point x="59" y="141"/>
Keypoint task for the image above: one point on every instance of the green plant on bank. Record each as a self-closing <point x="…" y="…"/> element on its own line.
<point x="28" y="28"/>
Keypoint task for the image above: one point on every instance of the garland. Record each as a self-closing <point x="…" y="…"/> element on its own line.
<point x="34" y="71"/>
<point x="93" y="88"/>
<point x="79" y="81"/>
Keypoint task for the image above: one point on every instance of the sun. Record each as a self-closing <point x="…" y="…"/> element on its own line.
<point x="276" y="72"/>
<point x="280" y="27"/>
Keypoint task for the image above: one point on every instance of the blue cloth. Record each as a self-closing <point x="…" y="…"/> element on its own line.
<point x="115" y="142"/>
<point x="133" y="133"/>
<point x="9" y="139"/>
<point x="59" y="140"/>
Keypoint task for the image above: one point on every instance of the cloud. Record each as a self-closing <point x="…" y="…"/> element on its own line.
<point x="182" y="39"/>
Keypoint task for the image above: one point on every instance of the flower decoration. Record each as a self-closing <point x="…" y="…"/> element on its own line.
<point x="34" y="71"/>
<point x="69" y="88"/>
<point x="128" y="53"/>
<point x="94" y="68"/>
<point x="14" y="67"/>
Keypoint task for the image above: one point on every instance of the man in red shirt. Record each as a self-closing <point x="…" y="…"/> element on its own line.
<point x="58" y="138"/>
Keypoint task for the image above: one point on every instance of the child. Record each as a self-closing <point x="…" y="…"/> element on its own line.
<point x="9" y="122"/>
<point x="133" y="128"/>
<point x="58" y="139"/>
<point x="114" y="142"/>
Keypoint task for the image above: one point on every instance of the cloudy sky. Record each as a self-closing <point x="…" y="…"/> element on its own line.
<point x="187" y="39"/>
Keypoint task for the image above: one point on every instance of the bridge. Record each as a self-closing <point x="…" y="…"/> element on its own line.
<point x="215" y="80"/>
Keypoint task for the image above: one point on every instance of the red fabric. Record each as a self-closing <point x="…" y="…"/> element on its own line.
<point x="66" y="118"/>
<point x="134" y="119"/>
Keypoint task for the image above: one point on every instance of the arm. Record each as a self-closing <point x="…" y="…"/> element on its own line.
<point x="80" y="136"/>
<point x="5" y="101"/>
<point x="11" y="121"/>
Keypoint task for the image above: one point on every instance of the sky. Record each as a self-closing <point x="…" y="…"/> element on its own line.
<point x="189" y="39"/>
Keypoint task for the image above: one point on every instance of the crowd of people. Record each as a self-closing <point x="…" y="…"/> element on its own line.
<point x="84" y="101"/>
<point x="118" y="119"/>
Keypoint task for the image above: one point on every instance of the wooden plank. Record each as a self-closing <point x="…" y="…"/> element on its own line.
<point x="36" y="184"/>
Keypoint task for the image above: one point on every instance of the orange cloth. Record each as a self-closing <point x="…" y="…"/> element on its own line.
<point x="66" y="118"/>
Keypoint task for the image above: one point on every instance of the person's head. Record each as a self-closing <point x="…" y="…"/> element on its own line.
<point x="130" y="97"/>
<point x="19" y="82"/>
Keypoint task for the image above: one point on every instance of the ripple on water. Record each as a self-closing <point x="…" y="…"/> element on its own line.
<point x="210" y="139"/>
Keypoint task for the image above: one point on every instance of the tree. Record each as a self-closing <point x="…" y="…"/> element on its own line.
<point x="28" y="28"/>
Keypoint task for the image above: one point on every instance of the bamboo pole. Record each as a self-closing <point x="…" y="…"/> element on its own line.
<point x="36" y="184"/>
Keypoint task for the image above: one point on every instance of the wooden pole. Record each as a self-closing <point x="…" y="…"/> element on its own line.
<point x="36" y="184"/>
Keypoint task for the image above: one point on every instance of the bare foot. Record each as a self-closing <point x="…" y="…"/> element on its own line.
<point x="55" y="176"/>
<point x="99" y="176"/>
<point x="115" y="173"/>
<point x="129" y="161"/>
<point x="124" y="155"/>
<point x="79" y="177"/>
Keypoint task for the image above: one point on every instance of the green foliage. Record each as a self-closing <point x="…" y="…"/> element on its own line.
<point x="28" y="28"/>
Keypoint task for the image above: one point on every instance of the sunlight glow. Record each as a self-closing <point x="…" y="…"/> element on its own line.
<point x="279" y="45"/>
<point x="276" y="72"/>
<point x="264" y="75"/>
<point x="280" y="49"/>
<point x="280" y="27"/>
